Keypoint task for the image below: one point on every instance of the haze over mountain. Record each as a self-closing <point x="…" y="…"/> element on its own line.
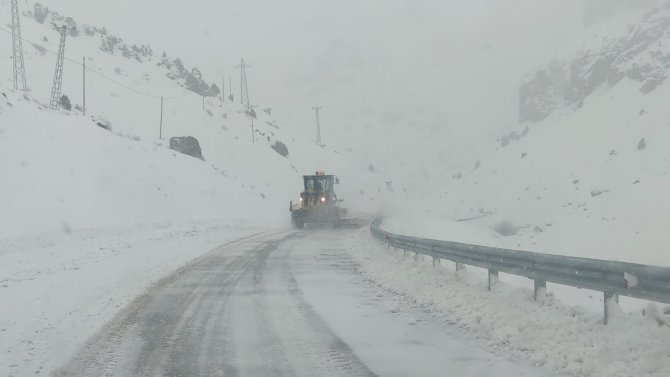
<point x="416" y="94"/>
<point x="377" y="67"/>
<point x="525" y="124"/>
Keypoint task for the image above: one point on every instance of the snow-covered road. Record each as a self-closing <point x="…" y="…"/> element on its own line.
<point x="279" y="304"/>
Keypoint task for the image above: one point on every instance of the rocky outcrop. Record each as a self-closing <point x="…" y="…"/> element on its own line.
<point x="642" y="55"/>
<point x="187" y="145"/>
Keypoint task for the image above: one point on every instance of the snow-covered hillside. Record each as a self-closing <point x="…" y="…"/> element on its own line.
<point x="543" y="130"/>
<point x="66" y="172"/>
<point x="94" y="209"/>
<point x="569" y="179"/>
<point x="415" y="88"/>
<point x="586" y="173"/>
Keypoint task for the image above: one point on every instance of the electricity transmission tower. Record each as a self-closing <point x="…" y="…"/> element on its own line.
<point x="58" y="76"/>
<point x="244" y="91"/>
<point x="17" y="50"/>
<point x="318" y="125"/>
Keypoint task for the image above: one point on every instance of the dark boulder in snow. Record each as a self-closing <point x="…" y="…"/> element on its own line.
<point x="280" y="148"/>
<point x="187" y="145"/>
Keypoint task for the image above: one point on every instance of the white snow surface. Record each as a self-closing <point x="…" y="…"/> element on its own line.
<point x="564" y="339"/>
<point x="391" y="333"/>
<point x="58" y="289"/>
<point x="118" y="209"/>
<point x="577" y="184"/>
<point x="67" y="173"/>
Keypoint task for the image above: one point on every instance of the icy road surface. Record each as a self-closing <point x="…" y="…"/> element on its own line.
<point x="281" y="304"/>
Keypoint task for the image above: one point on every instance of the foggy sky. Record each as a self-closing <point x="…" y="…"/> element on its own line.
<point x="392" y="65"/>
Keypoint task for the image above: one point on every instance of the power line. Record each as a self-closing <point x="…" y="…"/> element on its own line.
<point x="61" y="58"/>
<point x="91" y="68"/>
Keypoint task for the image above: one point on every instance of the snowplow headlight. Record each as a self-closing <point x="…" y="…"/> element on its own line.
<point x="301" y="199"/>
<point x="323" y="199"/>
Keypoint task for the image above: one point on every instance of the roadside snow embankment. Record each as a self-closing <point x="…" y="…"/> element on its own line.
<point x="57" y="290"/>
<point x="564" y="339"/>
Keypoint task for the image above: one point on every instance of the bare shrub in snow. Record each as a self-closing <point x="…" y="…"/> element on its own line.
<point x="506" y="228"/>
<point x="642" y="144"/>
<point x="65" y="103"/>
<point x="40" y="13"/>
<point x="595" y="193"/>
<point x="41" y="49"/>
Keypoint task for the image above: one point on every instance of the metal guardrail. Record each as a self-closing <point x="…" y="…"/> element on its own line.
<point x="610" y="277"/>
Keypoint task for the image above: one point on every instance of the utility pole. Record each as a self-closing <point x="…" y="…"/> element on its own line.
<point x="244" y="90"/>
<point x="253" y="137"/>
<point x="19" y="67"/>
<point x="83" y="61"/>
<point x="318" y="125"/>
<point x="230" y="89"/>
<point x="58" y="76"/>
<point x="160" y="130"/>
<point x="203" y="103"/>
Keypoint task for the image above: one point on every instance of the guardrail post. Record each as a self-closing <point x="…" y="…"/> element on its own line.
<point x="436" y="262"/>
<point x="493" y="278"/>
<point x="404" y="252"/>
<point x="650" y="282"/>
<point x="540" y="287"/>
<point x="609" y="299"/>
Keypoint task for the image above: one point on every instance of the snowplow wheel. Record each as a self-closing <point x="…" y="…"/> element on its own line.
<point x="298" y="224"/>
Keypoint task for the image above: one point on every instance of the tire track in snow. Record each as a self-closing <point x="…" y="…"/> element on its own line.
<point x="236" y="311"/>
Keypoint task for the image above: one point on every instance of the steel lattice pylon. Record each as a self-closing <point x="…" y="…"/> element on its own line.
<point x="244" y="90"/>
<point x="58" y="76"/>
<point x="17" y="50"/>
<point x="318" y="125"/>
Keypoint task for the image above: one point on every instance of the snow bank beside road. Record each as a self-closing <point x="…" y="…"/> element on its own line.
<point x="58" y="290"/>
<point x="564" y="339"/>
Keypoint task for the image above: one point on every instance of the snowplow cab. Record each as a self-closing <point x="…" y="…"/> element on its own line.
<point x="318" y="202"/>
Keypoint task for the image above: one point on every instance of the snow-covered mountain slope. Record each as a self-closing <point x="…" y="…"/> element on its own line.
<point x="68" y="172"/>
<point x="587" y="178"/>
<point x="639" y="53"/>
<point x="442" y="139"/>
<point x="64" y="172"/>
<point x="415" y="88"/>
